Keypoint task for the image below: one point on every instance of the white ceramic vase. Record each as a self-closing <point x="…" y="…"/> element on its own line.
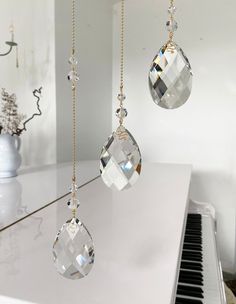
<point x="10" y="159"/>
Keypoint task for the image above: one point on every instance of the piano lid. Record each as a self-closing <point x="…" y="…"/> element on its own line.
<point x="137" y="235"/>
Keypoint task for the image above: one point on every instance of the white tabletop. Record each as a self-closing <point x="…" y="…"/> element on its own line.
<point x="137" y="235"/>
<point x="33" y="188"/>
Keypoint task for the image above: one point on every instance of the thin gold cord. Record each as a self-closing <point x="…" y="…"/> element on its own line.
<point x="73" y="97"/>
<point x="122" y="33"/>
<point x="121" y="96"/>
<point x="171" y="34"/>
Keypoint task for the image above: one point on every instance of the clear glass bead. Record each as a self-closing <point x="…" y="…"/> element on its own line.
<point x="73" y="76"/>
<point x="121" y="113"/>
<point x="172" y="10"/>
<point x="73" y="203"/>
<point x="73" y="60"/>
<point x="121" y="97"/>
<point x="73" y="188"/>
<point x="73" y="250"/>
<point x="171" y="25"/>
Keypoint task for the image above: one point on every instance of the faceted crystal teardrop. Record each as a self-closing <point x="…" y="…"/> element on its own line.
<point x="73" y="250"/>
<point x="170" y="77"/>
<point x="120" y="161"/>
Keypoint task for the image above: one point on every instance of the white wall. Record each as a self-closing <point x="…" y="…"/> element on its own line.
<point x="34" y="26"/>
<point x="94" y="45"/>
<point x="203" y="131"/>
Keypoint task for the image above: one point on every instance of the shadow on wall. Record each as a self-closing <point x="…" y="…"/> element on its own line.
<point x="219" y="189"/>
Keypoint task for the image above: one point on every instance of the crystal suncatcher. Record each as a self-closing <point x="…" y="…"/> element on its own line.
<point x="170" y="75"/>
<point x="73" y="249"/>
<point x="120" y="160"/>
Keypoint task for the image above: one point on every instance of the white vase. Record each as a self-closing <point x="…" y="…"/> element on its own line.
<point x="10" y="159"/>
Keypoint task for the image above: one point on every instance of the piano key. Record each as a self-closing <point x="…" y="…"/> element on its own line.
<point x="187" y="301"/>
<point x="199" y="264"/>
<point x="191" y="266"/>
<point x="192" y="288"/>
<point x="194" y="247"/>
<point x="190" y="293"/>
<point x="193" y="232"/>
<point x="192" y="281"/>
<point x="191" y="274"/>
<point x="192" y="238"/>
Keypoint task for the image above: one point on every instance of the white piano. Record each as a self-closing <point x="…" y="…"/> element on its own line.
<point x="151" y="246"/>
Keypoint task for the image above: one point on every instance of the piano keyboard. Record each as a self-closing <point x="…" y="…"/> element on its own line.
<point x="200" y="276"/>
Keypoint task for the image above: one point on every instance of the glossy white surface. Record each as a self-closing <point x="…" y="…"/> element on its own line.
<point x="137" y="236"/>
<point x="34" y="188"/>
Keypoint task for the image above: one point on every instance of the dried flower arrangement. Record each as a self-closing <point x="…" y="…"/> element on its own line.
<point x="10" y="120"/>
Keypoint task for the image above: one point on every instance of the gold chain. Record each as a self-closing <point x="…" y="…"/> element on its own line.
<point x="171" y="34"/>
<point x="74" y="95"/>
<point x="121" y="96"/>
<point x="122" y="33"/>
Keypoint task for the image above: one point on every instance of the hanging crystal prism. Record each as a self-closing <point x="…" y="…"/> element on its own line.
<point x="120" y="161"/>
<point x="73" y="250"/>
<point x="170" y="75"/>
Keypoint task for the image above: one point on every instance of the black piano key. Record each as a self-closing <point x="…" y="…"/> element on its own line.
<point x="188" y="239"/>
<point x="192" y="258"/>
<point x="190" y="293"/>
<point x="193" y="232"/>
<point x="193" y="223"/>
<point x="191" y="274"/>
<point x="194" y="239"/>
<point x="194" y="247"/>
<point x="194" y="215"/>
<point x="194" y="228"/>
<point x="191" y="266"/>
<point x="187" y="301"/>
<point x="193" y="253"/>
<point x="196" y="282"/>
<point x="197" y="222"/>
<point x="192" y="288"/>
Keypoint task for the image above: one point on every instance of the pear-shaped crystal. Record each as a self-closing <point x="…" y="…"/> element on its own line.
<point x="170" y="77"/>
<point x="120" y="161"/>
<point x="73" y="250"/>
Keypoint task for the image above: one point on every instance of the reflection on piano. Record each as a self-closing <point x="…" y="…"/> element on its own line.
<point x="200" y="275"/>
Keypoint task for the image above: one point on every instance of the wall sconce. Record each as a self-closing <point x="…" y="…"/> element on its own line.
<point x="12" y="44"/>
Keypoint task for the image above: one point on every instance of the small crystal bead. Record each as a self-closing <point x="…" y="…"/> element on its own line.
<point x="172" y="9"/>
<point x="73" y="188"/>
<point x="121" y="113"/>
<point x="73" y="76"/>
<point x="73" y="203"/>
<point x="73" y="60"/>
<point x="121" y="97"/>
<point x="171" y="25"/>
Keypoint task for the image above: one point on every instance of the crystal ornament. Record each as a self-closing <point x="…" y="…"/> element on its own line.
<point x="172" y="10"/>
<point x="73" y="203"/>
<point x="121" y="113"/>
<point x="170" y="77"/>
<point x="72" y="60"/>
<point x="121" y="97"/>
<point x="73" y="188"/>
<point x="171" y="25"/>
<point x="73" y="250"/>
<point x="73" y="76"/>
<point x="120" y="161"/>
